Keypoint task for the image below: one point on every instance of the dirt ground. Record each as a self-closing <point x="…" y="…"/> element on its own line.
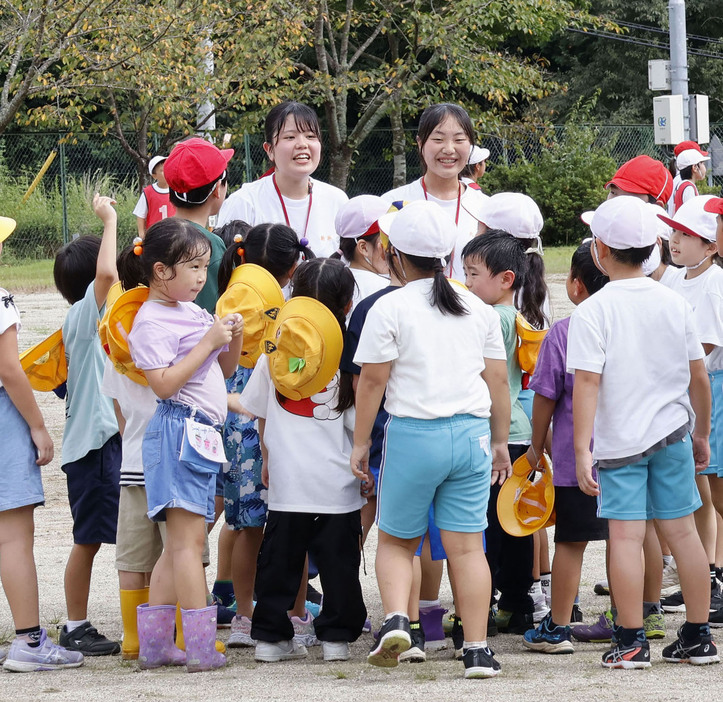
<point x="525" y="675"/>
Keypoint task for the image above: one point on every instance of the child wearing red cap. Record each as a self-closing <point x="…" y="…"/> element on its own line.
<point x="643" y="177"/>
<point x="690" y="163"/>
<point x="198" y="181"/>
<point x="715" y="205"/>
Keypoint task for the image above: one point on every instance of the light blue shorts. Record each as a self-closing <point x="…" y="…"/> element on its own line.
<point x="659" y="486"/>
<point x="171" y="482"/>
<point x="715" y="467"/>
<point x="446" y="462"/>
<point x="20" y="480"/>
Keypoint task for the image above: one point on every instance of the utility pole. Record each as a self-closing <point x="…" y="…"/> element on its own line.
<point x="679" y="58"/>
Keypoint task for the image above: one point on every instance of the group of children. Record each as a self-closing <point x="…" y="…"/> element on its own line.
<point x="416" y="423"/>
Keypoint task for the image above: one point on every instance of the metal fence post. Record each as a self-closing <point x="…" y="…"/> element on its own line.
<point x="247" y="159"/>
<point x="63" y="188"/>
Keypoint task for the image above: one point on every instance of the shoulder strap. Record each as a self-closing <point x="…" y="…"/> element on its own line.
<point x="678" y="200"/>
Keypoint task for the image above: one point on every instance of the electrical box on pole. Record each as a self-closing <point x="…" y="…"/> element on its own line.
<point x="668" y="119"/>
<point x="659" y="74"/>
<point x="699" y="123"/>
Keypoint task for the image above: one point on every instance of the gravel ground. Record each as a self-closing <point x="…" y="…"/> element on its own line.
<point x="525" y="675"/>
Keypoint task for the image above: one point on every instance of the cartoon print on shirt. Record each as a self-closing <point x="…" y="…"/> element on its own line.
<point x="319" y="406"/>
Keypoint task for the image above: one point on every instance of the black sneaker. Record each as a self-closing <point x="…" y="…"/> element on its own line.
<point x="715" y="618"/>
<point x="457" y="638"/>
<point x="637" y="655"/>
<point x="673" y="603"/>
<point x="395" y="637"/>
<point x="699" y="651"/>
<point x="513" y="622"/>
<point x="576" y="614"/>
<point x="716" y="596"/>
<point x="480" y="663"/>
<point x="88" y="641"/>
<point x="415" y="653"/>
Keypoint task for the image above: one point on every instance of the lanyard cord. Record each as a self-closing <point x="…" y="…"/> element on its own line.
<point x="283" y="206"/>
<point x="456" y="218"/>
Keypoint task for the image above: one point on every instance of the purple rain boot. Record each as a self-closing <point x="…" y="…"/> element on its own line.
<point x="155" y="636"/>
<point x="431" y="620"/>
<point x="199" y="630"/>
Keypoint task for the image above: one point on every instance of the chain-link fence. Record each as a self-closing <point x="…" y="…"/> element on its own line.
<point x="47" y="179"/>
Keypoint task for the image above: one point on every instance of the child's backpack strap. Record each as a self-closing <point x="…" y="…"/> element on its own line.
<point x="678" y="197"/>
<point x="529" y="340"/>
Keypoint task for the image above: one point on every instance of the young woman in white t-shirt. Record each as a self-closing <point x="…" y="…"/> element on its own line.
<point x="289" y="195"/>
<point x="700" y="281"/>
<point x="438" y="351"/>
<point x="445" y="139"/>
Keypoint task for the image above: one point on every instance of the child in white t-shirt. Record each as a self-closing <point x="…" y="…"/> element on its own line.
<point x="621" y="342"/>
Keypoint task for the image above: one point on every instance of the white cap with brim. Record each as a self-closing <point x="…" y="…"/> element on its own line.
<point x="515" y="213"/>
<point x="625" y="222"/>
<point x="358" y="216"/>
<point x="477" y="155"/>
<point x="154" y="162"/>
<point x="692" y="218"/>
<point x="664" y="231"/>
<point x="420" y="228"/>
<point x="690" y="157"/>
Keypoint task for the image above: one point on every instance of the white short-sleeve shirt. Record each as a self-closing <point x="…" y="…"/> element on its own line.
<point x="436" y="358"/>
<point x="9" y="315"/>
<point x="640" y="337"/>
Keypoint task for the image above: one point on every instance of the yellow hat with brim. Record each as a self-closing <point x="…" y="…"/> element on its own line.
<point x="304" y="348"/>
<point x="45" y="363"/>
<point x="524" y="504"/>
<point x="7" y="227"/>
<point x="256" y="295"/>
<point x="115" y="327"/>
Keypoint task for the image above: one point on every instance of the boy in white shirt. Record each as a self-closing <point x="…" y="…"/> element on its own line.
<point x="640" y="379"/>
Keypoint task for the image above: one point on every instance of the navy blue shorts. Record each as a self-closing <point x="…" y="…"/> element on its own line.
<point x="93" y="493"/>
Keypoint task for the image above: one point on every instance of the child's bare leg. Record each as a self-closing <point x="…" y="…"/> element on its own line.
<point x="299" y="609"/>
<point x="393" y="567"/>
<point x="17" y="565"/>
<point x="432" y="572"/>
<point x="368" y="514"/>
<point x="690" y="556"/>
<point x="566" y="569"/>
<point x="185" y="533"/>
<point x="715" y="485"/>
<point x="413" y="607"/>
<point x="245" y="554"/>
<point x="472" y="581"/>
<point x="162" y="588"/>
<point x="543" y="552"/>
<point x="719" y="541"/>
<point x="224" y="563"/>
<point x="77" y="580"/>
<point x="705" y="518"/>
<point x="536" y="555"/>
<point x="626" y="570"/>
<point x="653" y="558"/>
<point x="130" y="580"/>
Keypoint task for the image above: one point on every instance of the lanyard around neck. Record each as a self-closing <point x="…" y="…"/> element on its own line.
<point x="459" y="198"/>
<point x="283" y="206"/>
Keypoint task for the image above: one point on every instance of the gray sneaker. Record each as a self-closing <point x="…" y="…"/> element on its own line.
<point x="22" y="658"/>
<point x="3" y="655"/>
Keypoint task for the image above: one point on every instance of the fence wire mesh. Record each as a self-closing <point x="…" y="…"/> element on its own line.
<point x="72" y="168"/>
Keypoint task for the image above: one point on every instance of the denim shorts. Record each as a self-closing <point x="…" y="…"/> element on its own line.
<point x="658" y="486"/>
<point x="20" y="481"/>
<point x="446" y="462"/>
<point x="171" y="482"/>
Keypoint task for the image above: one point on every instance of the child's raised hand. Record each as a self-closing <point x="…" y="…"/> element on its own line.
<point x="236" y="322"/>
<point x="103" y="208"/>
<point x="43" y="444"/>
<point x="220" y="333"/>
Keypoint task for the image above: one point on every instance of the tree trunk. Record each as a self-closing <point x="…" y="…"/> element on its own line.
<point x="399" y="144"/>
<point x="339" y="165"/>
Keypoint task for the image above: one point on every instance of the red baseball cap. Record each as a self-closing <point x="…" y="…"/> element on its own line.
<point x="714" y="205"/>
<point x="194" y="163"/>
<point x="687" y="145"/>
<point x="643" y="175"/>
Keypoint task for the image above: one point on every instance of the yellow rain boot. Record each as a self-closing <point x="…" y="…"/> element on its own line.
<point x="181" y="642"/>
<point x="129" y="600"/>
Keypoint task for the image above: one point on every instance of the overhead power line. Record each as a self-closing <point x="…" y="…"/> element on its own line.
<point x="660" y="30"/>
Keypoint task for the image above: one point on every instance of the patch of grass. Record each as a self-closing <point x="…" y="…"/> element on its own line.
<point x="339" y="674"/>
<point x="27" y="275"/>
<point x="557" y="259"/>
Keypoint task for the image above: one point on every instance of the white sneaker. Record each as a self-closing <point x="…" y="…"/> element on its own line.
<point x="22" y="658"/>
<point x="279" y="651"/>
<point x="240" y="633"/>
<point x="304" y="632"/>
<point x="3" y="655"/>
<point x="335" y="650"/>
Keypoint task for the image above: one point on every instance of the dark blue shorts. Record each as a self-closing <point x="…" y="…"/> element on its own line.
<point x="93" y="493"/>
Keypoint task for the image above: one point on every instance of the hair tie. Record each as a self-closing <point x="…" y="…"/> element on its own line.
<point x="240" y="251"/>
<point x="138" y="246"/>
<point x="303" y="242"/>
<point x="238" y="238"/>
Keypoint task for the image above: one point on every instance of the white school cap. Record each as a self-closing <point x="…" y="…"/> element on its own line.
<point x="154" y="162"/>
<point x="420" y="228"/>
<point x="692" y="218"/>
<point x="515" y="213"/>
<point x="625" y="222"/>
<point x="359" y="216"/>
<point x="690" y="157"/>
<point x="478" y="154"/>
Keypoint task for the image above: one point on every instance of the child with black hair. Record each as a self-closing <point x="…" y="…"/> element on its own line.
<point x="313" y="498"/>
<point x="576" y="521"/>
<point x="84" y="271"/>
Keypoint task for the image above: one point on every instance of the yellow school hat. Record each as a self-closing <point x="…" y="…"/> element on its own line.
<point x="256" y="295"/>
<point x="7" y="227"/>
<point x="524" y="506"/>
<point x="304" y="348"/>
<point x="45" y="363"/>
<point x="115" y="327"/>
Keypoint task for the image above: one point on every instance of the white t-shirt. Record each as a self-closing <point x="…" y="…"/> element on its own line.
<point x="367" y="283"/>
<point x="9" y="315"/>
<point x="705" y="295"/>
<point x="466" y="224"/>
<point x="137" y="405"/>
<point x="640" y="337"/>
<point x="436" y="358"/>
<point x="258" y="202"/>
<point x="670" y="274"/>
<point x="309" y="446"/>
<point x="141" y="208"/>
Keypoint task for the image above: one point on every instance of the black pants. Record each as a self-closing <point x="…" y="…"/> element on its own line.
<point x="335" y="539"/>
<point x="510" y="557"/>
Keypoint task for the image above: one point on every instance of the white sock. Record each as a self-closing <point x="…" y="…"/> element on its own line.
<point x="394" y="614"/>
<point x="424" y="604"/>
<point x="71" y="624"/>
<point x="536" y="588"/>
<point x="474" y="644"/>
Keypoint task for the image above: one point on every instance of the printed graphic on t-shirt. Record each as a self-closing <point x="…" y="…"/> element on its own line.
<point x="319" y="406"/>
